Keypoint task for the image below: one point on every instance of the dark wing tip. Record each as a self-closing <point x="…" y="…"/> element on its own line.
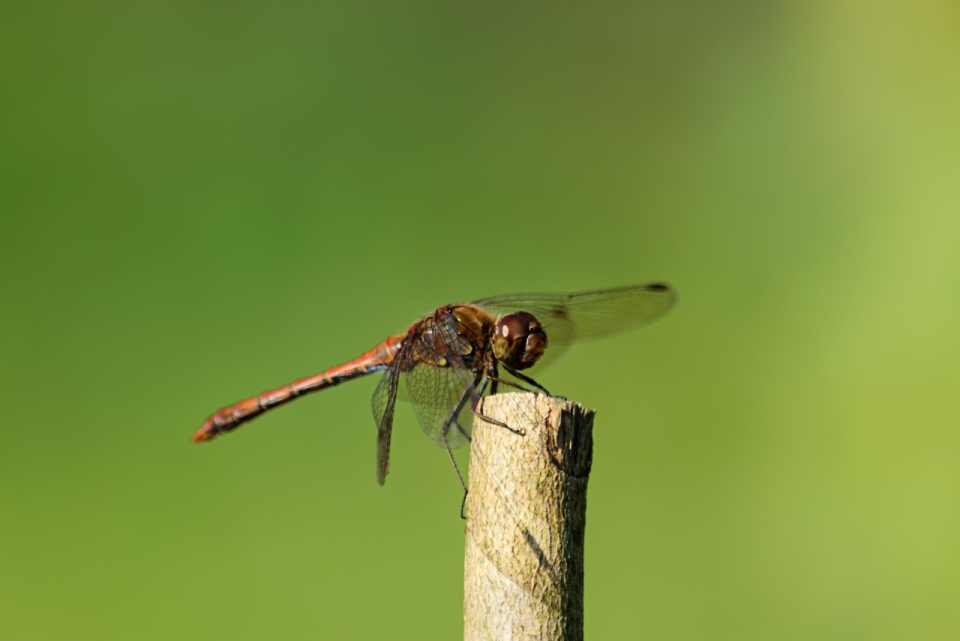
<point x="663" y="288"/>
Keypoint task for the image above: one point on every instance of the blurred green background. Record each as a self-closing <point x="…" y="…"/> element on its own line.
<point x="199" y="201"/>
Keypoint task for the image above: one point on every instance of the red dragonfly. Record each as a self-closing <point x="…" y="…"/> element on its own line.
<point x="449" y="359"/>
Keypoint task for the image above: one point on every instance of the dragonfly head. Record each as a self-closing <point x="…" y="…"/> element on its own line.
<point x="519" y="340"/>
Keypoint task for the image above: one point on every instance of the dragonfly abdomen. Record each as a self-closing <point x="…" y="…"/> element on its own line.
<point x="230" y="418"/>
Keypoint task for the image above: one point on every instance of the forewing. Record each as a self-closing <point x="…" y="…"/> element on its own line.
<point x="586" y="315"/>
<point x="589" y="315"/>
<point x="438" y="381"/>
<point x="383" y="403"/>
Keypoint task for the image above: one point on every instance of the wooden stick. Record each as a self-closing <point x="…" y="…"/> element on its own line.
<point x="526" y="514"/>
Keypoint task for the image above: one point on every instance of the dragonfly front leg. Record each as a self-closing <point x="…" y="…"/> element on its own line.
<point x="526" y="379"/>
<point x="510" y="384"/>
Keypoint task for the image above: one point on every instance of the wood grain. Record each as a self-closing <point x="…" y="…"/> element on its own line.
<point x="526" y="518"/>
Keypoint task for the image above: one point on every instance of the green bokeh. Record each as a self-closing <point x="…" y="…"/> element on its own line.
<point x="202" y="200"/>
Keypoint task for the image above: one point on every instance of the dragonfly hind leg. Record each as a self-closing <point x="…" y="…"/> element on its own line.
<point x="445" y="430"/>
<point x="451" y="421"/>
<point x="464" y="433"/>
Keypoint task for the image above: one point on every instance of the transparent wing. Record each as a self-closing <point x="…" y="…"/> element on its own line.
<point x="587" y="315"/>
<point x="438" y="383"/>
<point x="436" y="394"/>
<point x="383" y="403"/>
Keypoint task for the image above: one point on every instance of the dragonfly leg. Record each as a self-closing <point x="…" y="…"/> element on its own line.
<point x="527" y="380"/>
<point x="492" y="378"/>
<point x="510" y="384"/>
<point x="485" y="418"/>
<point x="463" y="432"/>
<point x="452" y="420"/>
<point x="453" y="462"/>
<point x="473" y="404"/>
<point x="494" y="421"/>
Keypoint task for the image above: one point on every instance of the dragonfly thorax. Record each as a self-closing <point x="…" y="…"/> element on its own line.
<point x="519" y="340"/>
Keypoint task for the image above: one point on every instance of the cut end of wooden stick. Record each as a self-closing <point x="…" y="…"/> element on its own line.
<point x="526" y="518"/>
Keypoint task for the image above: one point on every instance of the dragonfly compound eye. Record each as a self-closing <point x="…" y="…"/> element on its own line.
<point x="519" y="340"/>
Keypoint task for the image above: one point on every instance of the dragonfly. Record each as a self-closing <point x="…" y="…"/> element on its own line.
<point x="449" y="359"/>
